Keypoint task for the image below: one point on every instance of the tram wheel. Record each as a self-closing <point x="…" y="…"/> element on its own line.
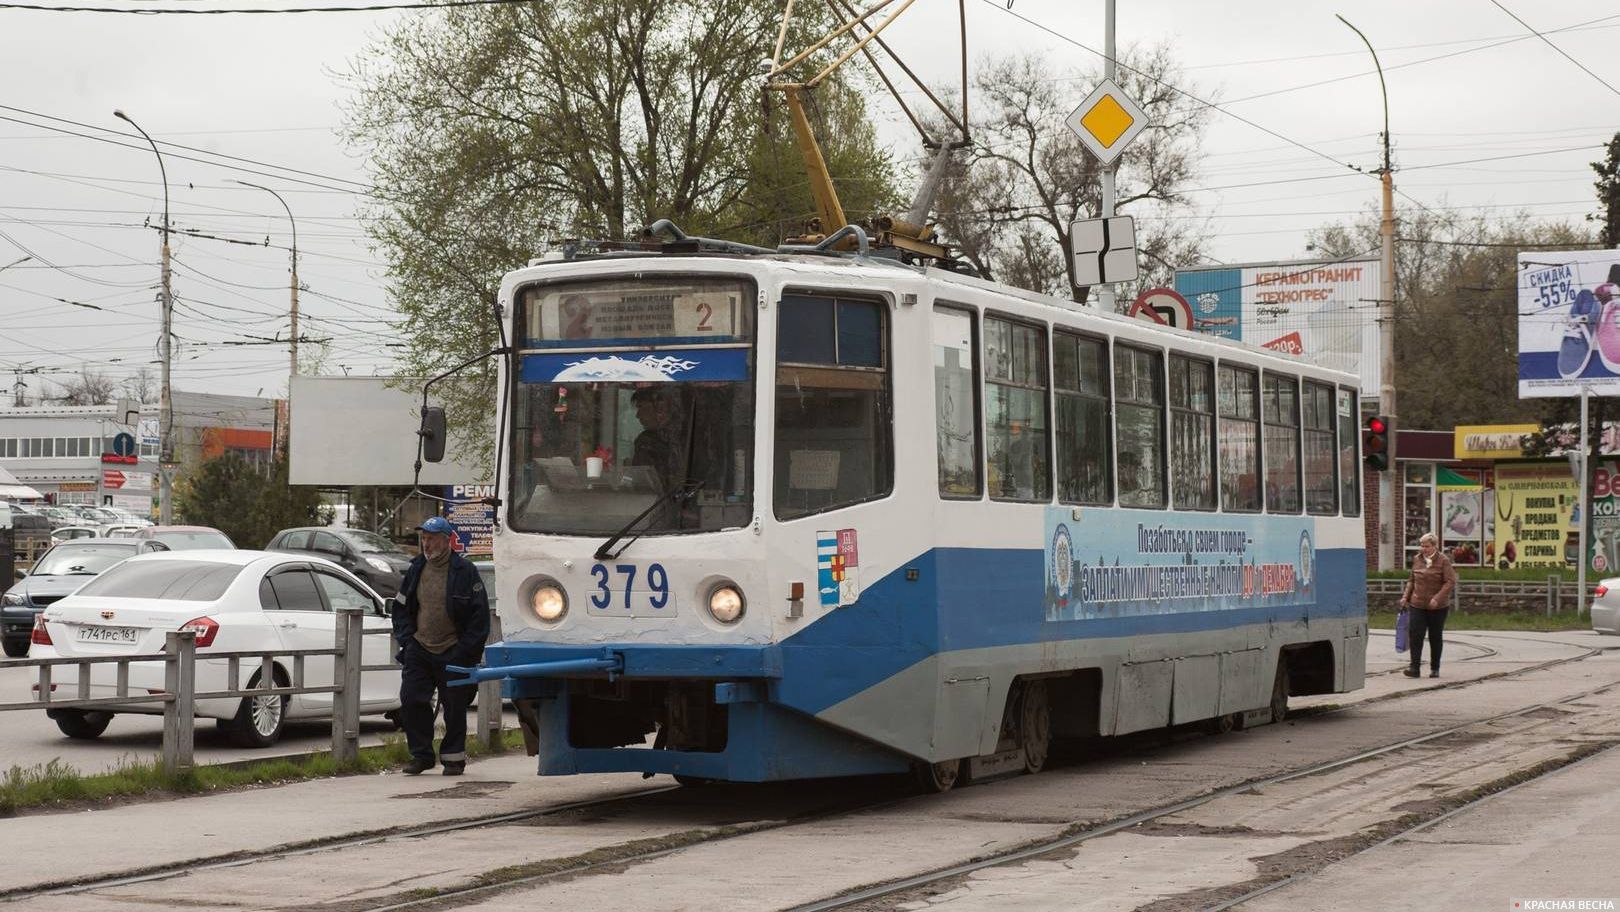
<point x="1279" y="693"/>
<point x="938" y="777"/>
<point x="1034" y="725"/>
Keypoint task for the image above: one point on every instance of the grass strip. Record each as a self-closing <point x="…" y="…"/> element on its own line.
<point x="56" y="784"/>
<point x="1537" y="621"/>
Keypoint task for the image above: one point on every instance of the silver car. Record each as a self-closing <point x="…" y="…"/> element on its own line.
<point x="1606" y="606"/>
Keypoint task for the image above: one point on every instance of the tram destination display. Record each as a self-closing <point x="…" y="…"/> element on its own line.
<point x="1569" y="323"/>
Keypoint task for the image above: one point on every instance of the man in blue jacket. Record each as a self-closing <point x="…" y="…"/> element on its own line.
<point x="441" y="617"/>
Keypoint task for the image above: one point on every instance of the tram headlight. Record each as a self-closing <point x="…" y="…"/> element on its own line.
<point x="726" y="603"/>
<point x="549" y="602"/>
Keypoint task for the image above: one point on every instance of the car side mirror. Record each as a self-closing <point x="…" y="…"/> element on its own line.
<point x="19" y="574"/>
<point x="433" y="433"/>
<point x="381" y="608"/>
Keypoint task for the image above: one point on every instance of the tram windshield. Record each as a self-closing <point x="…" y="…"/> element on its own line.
<point x="631" y="390"/>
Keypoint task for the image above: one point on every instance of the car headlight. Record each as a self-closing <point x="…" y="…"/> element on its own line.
<point x="12" y="598"/>
<point x="726" y="603"/>
<point x="549" y="602"/>
<point x="379" y="564"/>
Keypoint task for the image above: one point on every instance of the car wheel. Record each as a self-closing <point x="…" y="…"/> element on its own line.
<point x="17" y="647"/>
<point x="84" y="725"/>
<point x="259" y="720"/>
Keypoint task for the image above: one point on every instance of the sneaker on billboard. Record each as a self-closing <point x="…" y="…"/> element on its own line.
<point x="1575" y="349"/>
<point x="1607" y="336"/>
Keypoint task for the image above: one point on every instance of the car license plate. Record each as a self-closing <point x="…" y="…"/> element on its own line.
<point x="108" y="634"/>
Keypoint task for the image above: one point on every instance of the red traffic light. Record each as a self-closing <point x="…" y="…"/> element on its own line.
<point x="1375" y="443"/>
<point x="1376" y="426"/>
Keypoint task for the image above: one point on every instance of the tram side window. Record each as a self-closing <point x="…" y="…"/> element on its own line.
<point x="1016" y="434"/>
<point x="1139" y="425"/>
<point x="1321" y="477"/>
<point x="1239" y="428"/>
<point x="834" y="435"/>
<point x="1080" y="378"/>
<point x="1349" y="457"/>
<point x="1192" y="432"/>
<point x="1279" y="408"/>
<point x="956" y="403"/>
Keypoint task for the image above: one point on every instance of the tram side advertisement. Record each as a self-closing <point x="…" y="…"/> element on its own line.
<point x="1123" y="563"/>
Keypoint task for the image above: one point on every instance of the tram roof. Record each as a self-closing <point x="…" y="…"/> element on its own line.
<point x="880" y="268"/>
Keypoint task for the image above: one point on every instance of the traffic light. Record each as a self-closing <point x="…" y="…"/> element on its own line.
<point x="1375" y="443"/>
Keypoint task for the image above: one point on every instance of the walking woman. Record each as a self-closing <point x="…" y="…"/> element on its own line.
<point x="1427" y="592"/>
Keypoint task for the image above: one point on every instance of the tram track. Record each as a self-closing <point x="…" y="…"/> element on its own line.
<point x="311" y="847"/>
<point x="1076" y="836"/>
<point x="631" y="854"/>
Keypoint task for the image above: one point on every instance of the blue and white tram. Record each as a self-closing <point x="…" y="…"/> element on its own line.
<point x="781" y="516"/>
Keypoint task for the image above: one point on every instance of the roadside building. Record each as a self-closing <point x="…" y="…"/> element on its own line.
<point x="71" y="453"/>
<point x="1490" y="504"/>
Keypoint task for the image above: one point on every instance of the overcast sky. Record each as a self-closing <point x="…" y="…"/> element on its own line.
<point x="266" y="89"/>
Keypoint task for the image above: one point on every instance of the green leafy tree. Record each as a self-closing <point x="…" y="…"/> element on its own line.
<point x="493" y="131"/>
<point x="1608" y="191"/>
<point x="245" y="503"/>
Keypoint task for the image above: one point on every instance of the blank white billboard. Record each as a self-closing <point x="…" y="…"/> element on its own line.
<point x="362" y="431"/>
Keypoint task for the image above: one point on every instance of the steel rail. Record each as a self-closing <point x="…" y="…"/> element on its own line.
<point x="1042" y="847"/>
<point x="353" y="840"/>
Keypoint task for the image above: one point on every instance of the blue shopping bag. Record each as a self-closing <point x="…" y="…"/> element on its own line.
<point x="1402" y="618"/>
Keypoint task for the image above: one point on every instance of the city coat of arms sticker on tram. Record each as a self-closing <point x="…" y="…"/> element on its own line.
<point x="838" y="574"/>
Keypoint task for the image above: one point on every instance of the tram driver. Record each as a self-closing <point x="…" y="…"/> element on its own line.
<point x="655" y="446"/>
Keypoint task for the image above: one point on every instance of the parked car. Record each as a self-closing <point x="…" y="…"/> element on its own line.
<point x="120" y="531"/>
<point x="64" y="568"/>
<point x="185" y="538"/>
<point x="1606" y="607"/>
<point x="235" y="601"/>
<point x="70" y="533"/>
<point x="376" y="560"/>
<point x="60" y="517"/>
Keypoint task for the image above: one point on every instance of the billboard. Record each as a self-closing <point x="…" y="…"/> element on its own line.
<point x="473" y="519"/>
<point x="362" y="431"/>
<point x="1535" y="515"/>
<point x="1569" y="323"/>
<point x="1324" y="311"/>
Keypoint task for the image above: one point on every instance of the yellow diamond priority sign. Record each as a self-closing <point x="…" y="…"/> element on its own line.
<point x="1107" y="121"/>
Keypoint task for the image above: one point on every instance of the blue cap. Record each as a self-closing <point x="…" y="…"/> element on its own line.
<point x="437" y="524"/>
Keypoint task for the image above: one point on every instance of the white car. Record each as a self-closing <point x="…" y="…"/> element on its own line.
<point x="1606" y="606"/>
<point x="236" y="601"/>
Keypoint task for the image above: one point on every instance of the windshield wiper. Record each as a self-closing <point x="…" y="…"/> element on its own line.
<point x="681" y="497"/>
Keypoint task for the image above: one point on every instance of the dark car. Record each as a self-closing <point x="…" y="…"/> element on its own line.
<point x="185" y="538"/>
<point x="377" y="561"/>
<point x="56" y="575"/>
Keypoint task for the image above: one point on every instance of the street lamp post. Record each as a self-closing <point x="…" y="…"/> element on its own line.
<point x="293" y="344"/>
<point x="166" y="401"/>
<point x="1388" y="547"/>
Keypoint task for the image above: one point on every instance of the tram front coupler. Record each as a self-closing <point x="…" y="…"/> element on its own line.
<point x="610" y="662"/>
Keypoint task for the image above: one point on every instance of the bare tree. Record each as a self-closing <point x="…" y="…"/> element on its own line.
<point x="142" y="386"/>
<point x="1009" y="204"/>
<point x="89" y="388"/>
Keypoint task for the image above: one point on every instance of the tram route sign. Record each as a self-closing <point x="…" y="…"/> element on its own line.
<point x="1104" y="250"/>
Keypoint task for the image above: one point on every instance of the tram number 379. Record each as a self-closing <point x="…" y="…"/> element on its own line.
<point x="616" y="591"/>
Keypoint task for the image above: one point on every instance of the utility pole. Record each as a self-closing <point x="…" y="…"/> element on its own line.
<point x="1105" y="293"/>
<point x="293" y="334"/>
<point x="1388" y="522"/>
<point x="166" y="353"/>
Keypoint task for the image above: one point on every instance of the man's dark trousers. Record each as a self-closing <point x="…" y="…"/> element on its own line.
<point x="421" y="673"/>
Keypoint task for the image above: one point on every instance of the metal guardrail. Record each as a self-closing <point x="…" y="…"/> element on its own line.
<point x="1556" y="591"/>
<point x="179" y="695"/>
